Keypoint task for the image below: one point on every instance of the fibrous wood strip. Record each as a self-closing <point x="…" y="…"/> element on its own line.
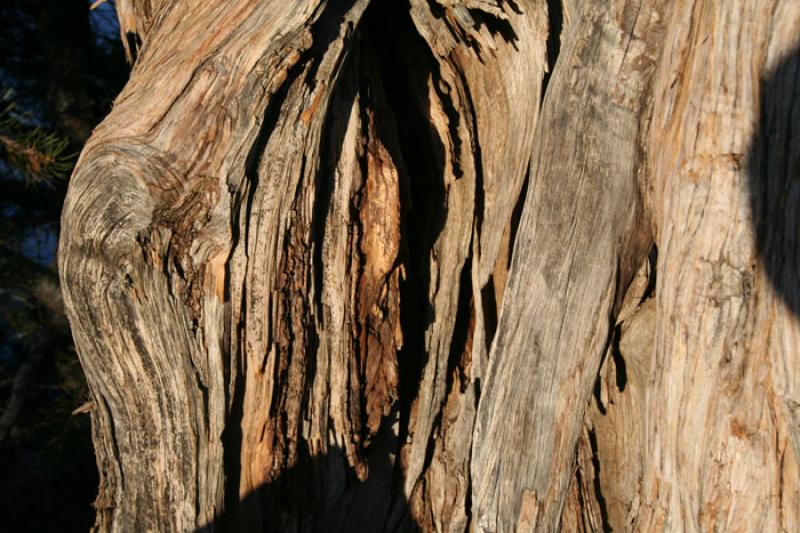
<point x="606" y="491"/>
<point x="484" y="100"/>
<point x="584" y="507"/>
<point x="581" y="215"/>
<point x="492" y="57"/>
<point x="723" y="153"/>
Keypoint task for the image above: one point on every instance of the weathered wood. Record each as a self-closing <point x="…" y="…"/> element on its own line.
<point x="235" y="292"/>
<point x="165" y="268"/>
<point x="305" y="299"/>
<point x="722" y="429"/>
<point x="490" y="73"/>
<point x="580" y="238"/>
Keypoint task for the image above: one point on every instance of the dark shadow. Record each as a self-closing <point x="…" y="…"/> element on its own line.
<point x="322" y="493"/>
<point x="555" y="16"/>
<point x="773" y="166"/>
<point x="495" y="26"/>
<point x="400" y="57"/>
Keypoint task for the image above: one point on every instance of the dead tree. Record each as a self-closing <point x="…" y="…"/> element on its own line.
<point x="485" y="265"/>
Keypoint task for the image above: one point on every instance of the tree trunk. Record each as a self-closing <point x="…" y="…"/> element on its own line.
<point x="454" y="265"/>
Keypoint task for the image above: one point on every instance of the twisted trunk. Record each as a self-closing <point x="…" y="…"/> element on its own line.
<point x="361" y="265"/>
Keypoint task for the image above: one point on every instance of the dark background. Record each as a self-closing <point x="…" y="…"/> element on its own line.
<point x="61" y="64"/>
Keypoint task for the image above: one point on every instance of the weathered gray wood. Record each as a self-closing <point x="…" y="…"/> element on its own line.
<point x="490" y="74"/>
<point x="580" y="237"/>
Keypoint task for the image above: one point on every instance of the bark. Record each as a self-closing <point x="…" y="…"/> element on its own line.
<point x="724" y="450"/>
<point x="449" y="265"/>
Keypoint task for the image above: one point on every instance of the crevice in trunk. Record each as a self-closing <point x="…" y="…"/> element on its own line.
<point x="461" y="348"/>
<point x="406" y="65"/>
<point x="492" y="294"/>
<point x="621" y="373"/>
<point x="555" y="15"/>
<point x="652" y="259"/>
<point x="232" y="447"/>
<point x="598" y="490"/>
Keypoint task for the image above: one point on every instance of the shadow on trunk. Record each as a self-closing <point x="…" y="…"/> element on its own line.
<point x="323" y="493"/>
<point x="773" y="165"/>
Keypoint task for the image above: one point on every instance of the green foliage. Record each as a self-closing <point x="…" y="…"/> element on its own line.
<point x="38" y="154"/>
